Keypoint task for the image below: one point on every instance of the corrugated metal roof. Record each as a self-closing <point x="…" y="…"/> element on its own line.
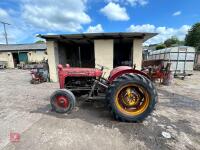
<point x="22" y="47"/>
<point x="92" y="36"/>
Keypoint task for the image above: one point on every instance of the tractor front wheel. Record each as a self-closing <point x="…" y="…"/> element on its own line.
<point x="62" y="101"/>
<point x="131" y="97"/>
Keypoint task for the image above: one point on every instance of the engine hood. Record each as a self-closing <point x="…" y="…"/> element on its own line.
<point x="76" y="71"/>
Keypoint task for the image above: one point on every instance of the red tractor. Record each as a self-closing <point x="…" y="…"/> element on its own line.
<point x="129" y="94"/>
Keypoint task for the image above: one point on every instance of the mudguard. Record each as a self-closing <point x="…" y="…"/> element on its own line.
<point x="119" y="71"/>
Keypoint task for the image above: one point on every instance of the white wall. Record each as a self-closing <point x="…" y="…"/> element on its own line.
<point x="10" y="60"/>
<point x="104" y="54"/>
<point x="137" y="53"/>
<point x="3" y="56"/>
<point x="53" y="60"/>
<point x="36" y="56"/>
<point x="7" y="56"/>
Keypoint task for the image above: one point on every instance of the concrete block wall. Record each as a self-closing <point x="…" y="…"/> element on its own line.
<point x="3" y="56"/>
<point x="53" y="60"/>
<point x="104" y="54"/>
<point x="36" y="56"/>
<point x="7" y="56"/>
<point x="137" y="53"/>
<point x="10" y="60"/>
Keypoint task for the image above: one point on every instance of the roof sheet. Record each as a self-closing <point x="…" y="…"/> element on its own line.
<point x="22" y="47"/>
<point x="92" y="36"/>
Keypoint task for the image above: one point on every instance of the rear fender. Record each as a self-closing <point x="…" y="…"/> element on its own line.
<point x="120" y="73"/>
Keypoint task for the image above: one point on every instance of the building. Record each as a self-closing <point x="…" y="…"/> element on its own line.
<point x="13" y="54"/>
<point x="86" y="50"/>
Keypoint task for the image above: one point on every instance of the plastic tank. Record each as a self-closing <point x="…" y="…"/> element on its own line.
<point x="181" y="58"/>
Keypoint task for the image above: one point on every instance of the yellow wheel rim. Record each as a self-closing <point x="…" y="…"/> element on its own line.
<point x="132" y="99"/>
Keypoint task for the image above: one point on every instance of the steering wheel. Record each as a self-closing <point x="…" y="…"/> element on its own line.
<point x="102" y="67"/>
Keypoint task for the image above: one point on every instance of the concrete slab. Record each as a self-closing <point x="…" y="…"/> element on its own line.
<point x="24" y="108"/>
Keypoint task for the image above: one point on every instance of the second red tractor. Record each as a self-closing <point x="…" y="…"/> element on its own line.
<point x="130" y="95"/>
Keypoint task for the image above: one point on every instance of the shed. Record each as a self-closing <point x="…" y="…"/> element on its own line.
<point x="89" y="49"/>
<point x="13" y="54"/>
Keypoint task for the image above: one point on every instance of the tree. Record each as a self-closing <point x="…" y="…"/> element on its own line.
<point x="193" y="37"/>
<point x="40" y="41"/>
<point x="160" y="46"/>
<point x="172" y="41"/>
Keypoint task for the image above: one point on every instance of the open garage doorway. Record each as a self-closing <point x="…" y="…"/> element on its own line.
<point x="15" y="59"/>
<point x="123" y="52"/>
<point x="77" y="54"/>
<point x="19" y="57"/>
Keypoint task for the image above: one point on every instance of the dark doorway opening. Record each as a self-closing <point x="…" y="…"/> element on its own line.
<point x="123" y="50"/>
<point x="77" y="54"/>
<point x="15" y="59"/>
<point x="23" y="57"/>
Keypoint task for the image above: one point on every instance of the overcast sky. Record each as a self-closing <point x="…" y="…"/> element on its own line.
<point x="31" y="17"/>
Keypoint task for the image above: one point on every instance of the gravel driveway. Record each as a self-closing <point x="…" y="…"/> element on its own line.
<point x="25" y="110"/>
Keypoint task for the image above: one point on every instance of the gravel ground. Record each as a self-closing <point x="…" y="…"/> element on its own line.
<point x="25" y="109"/>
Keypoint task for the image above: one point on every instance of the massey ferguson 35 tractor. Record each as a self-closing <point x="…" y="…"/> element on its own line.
<point x="128" y="93"/>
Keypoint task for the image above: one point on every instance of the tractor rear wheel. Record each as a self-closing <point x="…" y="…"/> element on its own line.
<point x="131" y="97"/>
<point x="62" y="101"/>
